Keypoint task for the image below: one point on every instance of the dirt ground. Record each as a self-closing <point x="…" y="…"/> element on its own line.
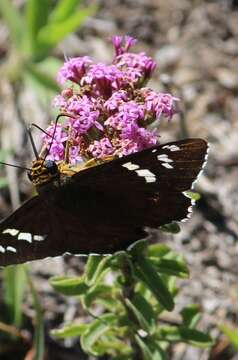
<point x="195" y="44"/>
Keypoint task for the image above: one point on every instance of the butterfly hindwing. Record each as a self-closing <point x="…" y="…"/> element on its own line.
<point x="105" y="208"/>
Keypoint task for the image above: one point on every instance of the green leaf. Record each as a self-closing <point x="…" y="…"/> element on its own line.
<point x="147" y="354"/>
<point x="191" y="315"/>
<point x="183" y="334"/>
<point x="138" y="315"/>
<point x="138" y="248"/>
<point x="158" y="250"/>
<point x="231" y="333"/>
<point x="69" y="286"/>
<point x="36" y="17"/>
<point x="50" y="35"/>
<point x="69" y="331"/>
<point x="171" y="267"/>
<point x="42" y="77"/>
<point x="145" y="309"/>
<point x="95" y="267"/>
<point x="172" y="228"/>
<point x="193" y="195"/>
<point x="39" y="338"/>
<point x="63" y="10"/>
<point x="146" y="272"/>
<point x="14" y="21"/>
<point x="96" y="292"/>
<point x="3" y="182"/>
<point x="95" y="330"/>
<point x="15" y="285"/>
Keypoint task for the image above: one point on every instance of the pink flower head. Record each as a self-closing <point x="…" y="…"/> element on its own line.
<point x="74" y="69"/>
<point x="123" y="43"/>
<point x="160" y="103"/>
<point x="84" y="114"/>
<point x="105" y="78"/>
<point x="129" y="113"/>
<point x="102" y="148"/>
<point x="56" y="147"/>
<point x="144" y="64"/>
<point x="108" y="111"/>
<point x="117" y="98"/>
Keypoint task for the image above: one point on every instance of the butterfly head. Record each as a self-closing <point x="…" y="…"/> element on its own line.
<point x="43" y="171"/>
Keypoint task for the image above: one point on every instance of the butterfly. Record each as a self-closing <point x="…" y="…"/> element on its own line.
<point x="104" y="208"/>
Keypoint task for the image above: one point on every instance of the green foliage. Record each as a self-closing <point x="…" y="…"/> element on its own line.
<point x="14" y="285"/>
<point x="35" y="32"/>
<point x="133" y="289"/>
<point x="231" y="333"/>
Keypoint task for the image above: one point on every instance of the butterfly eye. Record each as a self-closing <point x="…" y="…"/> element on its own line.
<point x="51" y="167"/>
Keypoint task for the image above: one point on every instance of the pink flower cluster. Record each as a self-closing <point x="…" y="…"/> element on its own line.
<point x="108" y="108"/>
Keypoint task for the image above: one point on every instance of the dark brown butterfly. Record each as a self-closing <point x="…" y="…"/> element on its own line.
<point x="104" y="208"/>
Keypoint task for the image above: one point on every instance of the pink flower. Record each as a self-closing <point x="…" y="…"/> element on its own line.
<point x="123" y="44"/>
<point x="117" y="98"/>
<point x="102" y="148"/>
<point x="74" y="69"/>
<point x="105" y="78"/>
<point x="159" y="103"/>
<point x="108" y="111"/>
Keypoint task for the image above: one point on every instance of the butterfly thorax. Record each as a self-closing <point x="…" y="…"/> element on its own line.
<point x="46" y="174"/>
<point x="43" y="172"/>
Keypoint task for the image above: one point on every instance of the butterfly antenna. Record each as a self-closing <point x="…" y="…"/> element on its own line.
<point x="32" y="143"/>
<point x="56" y="122"/>
<point x="15" y="166"/>
<point x="39" y="128"/>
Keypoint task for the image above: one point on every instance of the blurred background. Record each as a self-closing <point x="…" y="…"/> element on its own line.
<point x="195" y="44"/>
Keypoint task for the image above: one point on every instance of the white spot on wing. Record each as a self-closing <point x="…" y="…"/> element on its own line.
<point x="153" y="151"/>
<point x="164" y="158"/>
<point x="131" y="166"/>
<point x="168" y="166"/>
<point x="150" y="179"/>
<point x="171" y="147"/>
<point x="25" y="236"/>
<point x="2" y="249"/>
<point x="12" y="232"/>
<point x="11" y="248"/>
<point x="39" y="237"/>
<point x="145" y="173"/>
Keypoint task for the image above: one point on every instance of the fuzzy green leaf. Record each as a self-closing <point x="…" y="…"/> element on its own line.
<point x="97" y="292"/>
<point x="95" y="330"/>
<point x="63" y="10"/>
<point x="158" y="250"/>
<point x="36" y="17"/>
<point x="145" y="309"/>
<point x="183" y="334"/>
<point x="146" y="272"/>
<point x="95" y="267"/>
<point x="15" y="282"/>
<point x="69" y="331"/>
<point x="69" y="286"/>
<point x="138" y="315"/>
<point x="171" y="267"/>
<point x="147" y="354"/>
<point x="191" y="315"/>
<point x="231" y="333"/>
<point x="50" y="35"/>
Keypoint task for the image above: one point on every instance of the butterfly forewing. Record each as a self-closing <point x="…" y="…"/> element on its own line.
<point x="105" y="208"/>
